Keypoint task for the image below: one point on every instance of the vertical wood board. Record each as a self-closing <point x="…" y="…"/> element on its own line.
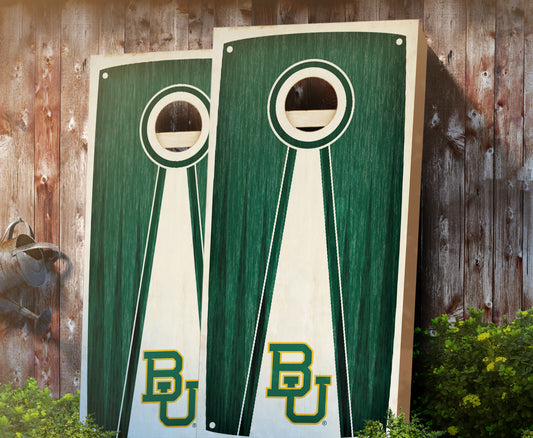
<point x="17" y="190"/>
<point x="201" y="22"/>
<point x="527" y="171"/>
<point x="137" y="26"/>
<point x="508" y="156"/>
<point x="47" y="173"/>
<point x="78" y="18"/>
<point x="479" y="157"/>
<point x="442" y="234"/>
<point x="112" y="28"/>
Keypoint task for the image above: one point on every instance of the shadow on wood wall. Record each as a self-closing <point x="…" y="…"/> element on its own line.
<point x="442" y="204"/>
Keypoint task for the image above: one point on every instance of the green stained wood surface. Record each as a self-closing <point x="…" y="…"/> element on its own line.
<point x="197" y="177"/>
<point x="367" y="172"/>
<point x="366" y="165"/>
<point x="245" y="196"/>
<point x="124" y="202"/>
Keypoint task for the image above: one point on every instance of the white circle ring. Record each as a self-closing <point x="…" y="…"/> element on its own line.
<point x="170" y="159"/>
<point x="331" y="74"/>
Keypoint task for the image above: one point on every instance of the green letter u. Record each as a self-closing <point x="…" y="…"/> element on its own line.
<point x="322" y="382"/>
<point x="191" y="386"/>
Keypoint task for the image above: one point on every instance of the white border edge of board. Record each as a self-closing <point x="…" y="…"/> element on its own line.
<point x="400" y="389"/>
<point x="222" y="35"/>
<point x="98" y="63"/>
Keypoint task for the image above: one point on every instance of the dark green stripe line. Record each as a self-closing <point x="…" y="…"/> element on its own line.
<point x="335" y="291"/>
<point x="196" y="226"/>
<point x="264" y="310"/>
<point x="124" y="421"/>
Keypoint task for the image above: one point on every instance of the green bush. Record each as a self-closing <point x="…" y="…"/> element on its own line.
<point x="28" y="412"/>
<point x="475" y="379"/>
<point x="397" y="427"/>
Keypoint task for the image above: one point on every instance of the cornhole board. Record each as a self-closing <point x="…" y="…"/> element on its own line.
<point x="149" y="118"/>
<point x="312" y="228"/>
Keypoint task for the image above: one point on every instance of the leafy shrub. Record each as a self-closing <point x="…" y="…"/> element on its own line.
<point x="397" y="427"/>
<point x="475" y="379"/>
<point x="28" y="412"/>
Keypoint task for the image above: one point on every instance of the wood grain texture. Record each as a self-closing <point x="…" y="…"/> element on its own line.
<point x="401" y="9"/>
<point x="508" y="158"/>
<point x="264" y="12"/>
<point x="362" y="10"/>
<point x="78" y="18"/>
<point x="137" y="30"/>
<point x="47" y="226"/>
<point x="479" y="156"/>
<point x="169" y="25"/>
<point x="527" y="296"/>
<point x="246" y="5"/>
<point x="228" y="13"/>
<point x="442" y="252"/>
<point x="112" y="27"/>
<point x="201" y="22"/>
<point x="331" y="12"/>
<point x="16" y="172"/>
<point x="292" y="12"/>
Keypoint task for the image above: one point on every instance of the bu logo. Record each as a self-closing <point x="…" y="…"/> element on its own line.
<point x="293" y="380"/>
<point x="164" y="386"/>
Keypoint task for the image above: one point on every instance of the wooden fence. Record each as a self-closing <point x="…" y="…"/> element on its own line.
<point x="477" y="204"/>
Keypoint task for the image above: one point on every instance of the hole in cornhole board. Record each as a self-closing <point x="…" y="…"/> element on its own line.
<point x="178" y="126"/>
<point x="311" y="104"/>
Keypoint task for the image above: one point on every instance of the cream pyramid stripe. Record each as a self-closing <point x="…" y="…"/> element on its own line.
<point x="171" y="323"/>
<point x="300" y="325"/>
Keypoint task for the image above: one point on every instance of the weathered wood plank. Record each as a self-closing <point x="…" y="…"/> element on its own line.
<point x="47" y="125"/>
<point x="527" y="297"/>
<point x="442" y="253"/>
<point x="264" y="12"/>
<point x="112" y="15"/>
<point x="401" y="9"/>
<point x="78" y="18"/>
<point x="479" y="156"/>
<point x="246" y="5"/>
<point x="17" y="69"/>
<point x="293" y="12"/>
<point x="137" y="32"/>
<point x="169" y="25"/>
<point x="228" y="13"/>
<point x="331" y="12"/>
<point x="362" y="10"/>
<point x="201" y="22"/>
<point x="508" y="158"/>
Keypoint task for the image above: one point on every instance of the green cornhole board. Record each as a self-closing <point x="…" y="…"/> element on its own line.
<point x="145" y="213"/>
<point x="312" y="227"/>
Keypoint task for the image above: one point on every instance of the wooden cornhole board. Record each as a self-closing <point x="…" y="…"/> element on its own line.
<point x="312" y="227"/>
<point x="145" y="215"/>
